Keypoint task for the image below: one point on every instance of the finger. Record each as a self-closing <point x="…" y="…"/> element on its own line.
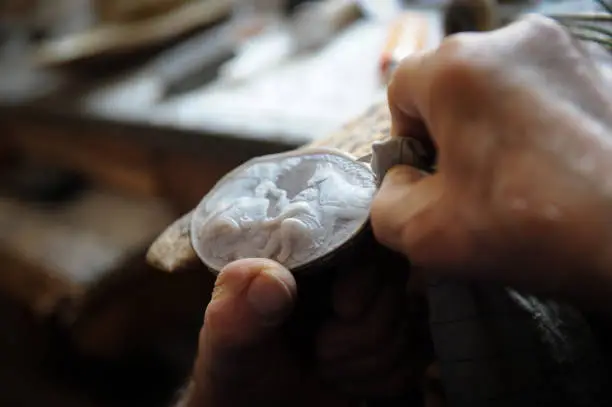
<point x="251" y="298"/>
<point x="410" y="215"/>
<point x="407" y="96"/>
<point x="409" y="343"/>
<point x="403" y="196"/>
<point x="354" y="291"/>
<point x="378" y="362"/>
<point x="340" y="339"/>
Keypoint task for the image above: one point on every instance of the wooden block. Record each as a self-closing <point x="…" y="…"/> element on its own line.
<point x="172" y="250"/>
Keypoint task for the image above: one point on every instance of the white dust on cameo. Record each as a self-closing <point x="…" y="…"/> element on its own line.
<point x="292" y="207"/>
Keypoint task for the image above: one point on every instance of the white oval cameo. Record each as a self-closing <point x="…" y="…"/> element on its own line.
<point x="292" y="207"/>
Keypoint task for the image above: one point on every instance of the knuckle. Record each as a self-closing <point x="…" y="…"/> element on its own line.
<point x="462" y="62"/>
<point x="546" y="32"/>
<point x="544" y="25"/>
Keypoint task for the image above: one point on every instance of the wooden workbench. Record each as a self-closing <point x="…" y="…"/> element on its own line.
<point x="160" y="155"/>
<point x="83" y="266"/>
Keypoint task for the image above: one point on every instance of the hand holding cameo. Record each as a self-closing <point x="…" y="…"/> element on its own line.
<point x="521" y="121"/>
<point x="245" y="357"/>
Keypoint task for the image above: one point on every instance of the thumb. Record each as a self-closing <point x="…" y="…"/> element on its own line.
<point x="407" y="215"/>
<point x="242" y="357"/>
<point x="252" y="297"/>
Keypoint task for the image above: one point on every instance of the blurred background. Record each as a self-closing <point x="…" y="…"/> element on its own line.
<point x="117" y="116"/>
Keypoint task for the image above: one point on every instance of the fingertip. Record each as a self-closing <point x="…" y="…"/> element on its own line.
<point x="405" y="91"/>
<point x="253" y="297"/>
<point x="241" y="272"/>
<point x="282" y="276"/>
<point x="271" y="288"/>
<point x="250" y="265"/>
<point x="250" y="295"/>
<point x="272" y="295"/>
<point x="353" y="292"/>
<point x="403" y="81"/>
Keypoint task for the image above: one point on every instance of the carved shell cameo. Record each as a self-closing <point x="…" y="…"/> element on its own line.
<point x="295" y="208"/>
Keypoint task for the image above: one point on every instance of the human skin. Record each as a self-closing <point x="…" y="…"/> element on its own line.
<point x="363" y="349"/>
<point x="522" y="194"/>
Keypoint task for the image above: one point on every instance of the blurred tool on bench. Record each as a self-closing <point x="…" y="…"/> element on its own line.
<point x="229" y="47"/>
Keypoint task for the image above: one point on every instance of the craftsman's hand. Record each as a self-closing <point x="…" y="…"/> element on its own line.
<point x="375" y="343"/>
<point x="245" y="358"/>
<point x="521" y="119"/>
